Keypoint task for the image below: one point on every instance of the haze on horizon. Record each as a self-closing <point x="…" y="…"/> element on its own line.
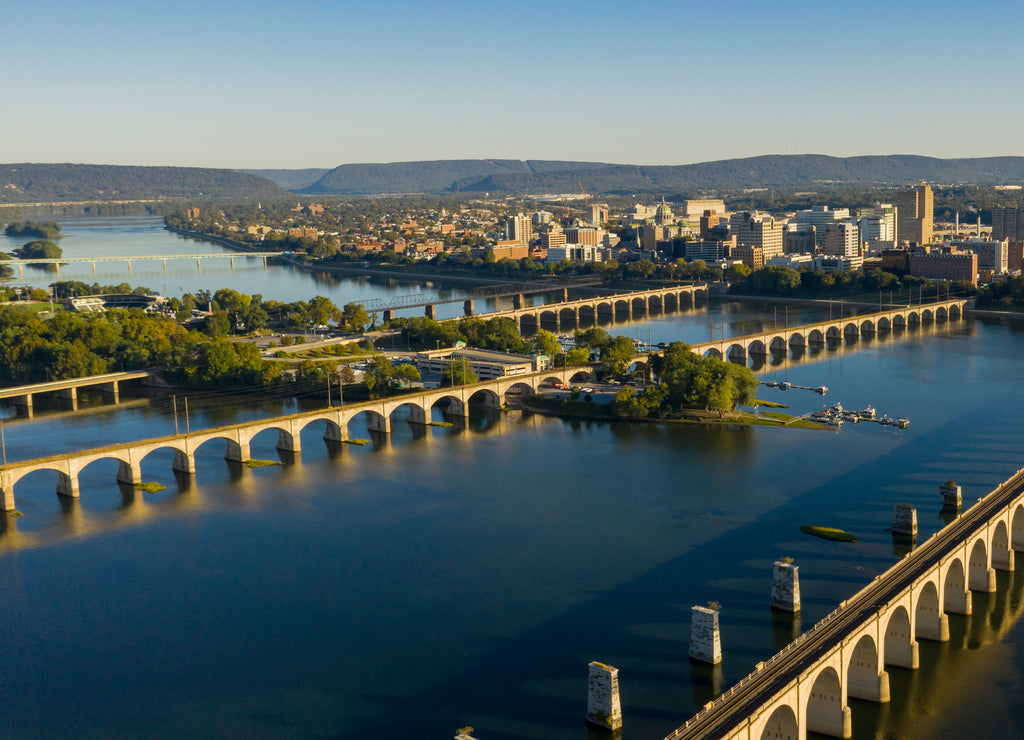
<point x="268" y="85"/>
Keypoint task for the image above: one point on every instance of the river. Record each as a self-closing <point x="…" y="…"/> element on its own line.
<point x="466" y="576"/>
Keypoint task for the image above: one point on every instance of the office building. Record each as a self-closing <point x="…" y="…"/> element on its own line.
<point x="759" y="230"/>
<point x="1008" y="223"/>
<point x="915" y="215"/>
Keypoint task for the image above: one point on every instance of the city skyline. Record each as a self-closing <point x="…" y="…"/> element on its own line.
<point x="260" y="85"/>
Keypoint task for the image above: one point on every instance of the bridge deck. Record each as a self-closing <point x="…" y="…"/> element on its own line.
<point x="759" y="687"/>
<point x="60" y="385"/>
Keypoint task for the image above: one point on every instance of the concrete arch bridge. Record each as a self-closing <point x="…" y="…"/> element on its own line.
<point x="378" y="415"/>
<point x="781" y="340"/>
<point x="807" y="686"/>
<point x="611" y="308"/>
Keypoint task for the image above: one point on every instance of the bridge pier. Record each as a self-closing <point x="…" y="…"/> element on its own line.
<point x="388" y="315"/>
<point x="237" y="451"/>
<point x="23" y="405"/>
<point x="952" y="498"/>
<point x="379" y="423"/>
<point x="829" y="720"/>
<point x="517" y="301"/>
<point x="184" y="462"/>
<point x="785" y="587"/>
<point x="7" y="491"/>
<point x="604" y="709"/>
<point x="130" y="473"/>
<point x="430" y="311"/>
<point x="933" y="627"/>
<point x="467" y="307"/>
<point x="69" y="396"/>
<point x="288" y="442"/>
<point x="67" y="485"/>
<point x="902" y="654"/>
<point x="111" y="391"/>
<point x="872" y="688"/>
<point x="705" y="641"/>
<point x="335" y="433"/>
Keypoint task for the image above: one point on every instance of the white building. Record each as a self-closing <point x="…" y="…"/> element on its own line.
<point x="993" y="254"/>
<point x="878" y="223"/>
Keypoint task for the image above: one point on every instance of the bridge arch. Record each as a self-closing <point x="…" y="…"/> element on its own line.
<point x="713" y="352"/>
<point x="927" y="316"/>
<point x="900" y="647"/>
<point x="863" y="677"/>
<point x="606" y="310"/>
<point x="548" y="317"/>
<point x="956" y="598"/>
<point x="449" y="404"/>
<point x="1017" y="527"/>
<point x="737" y="353"/>
<point x="286" y="440"/>
<point x="417" y="414"/>
<point x="621" y="308"/>
<point x="236" y="451"/>
<point x="655" y="304"/>
<point x="954" y="311"/>
<point x="757" y="347"/>
<point x="587" y="313"/>
<point x="567" y="315"/>
<point x="834" y="334"/>
<point x="778" y="345"/>
<point x="816" y="336"/>
<point x="797" y="339"/>
<point x="485" y="397"/>
<point x="781" y="725"/>
<point x="884" y="324"/>
<point x="639" y="305"/>
<point x="826" y="711"/>
<point x="980" y="576"/>
<point x="867" y="327"/>
<point x="1002" y="555"/>
<point x="930" y="621"/>
<point x="913" y="318"/>
<point x="941" y="313"/>
<point x="670" y="301"/>
<point x="375" y="421"/>
<point x="332" y="431"/>
<point x="851" y="330"/>
<point x="67" y="484"/>
<point x="899" y="321"/>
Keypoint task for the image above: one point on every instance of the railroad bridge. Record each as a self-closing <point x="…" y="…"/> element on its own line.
<point x="237" y="437"/>
<point x="610" y="308"/>
<point x="780" y="340"/>
<point x="807" y="686"/>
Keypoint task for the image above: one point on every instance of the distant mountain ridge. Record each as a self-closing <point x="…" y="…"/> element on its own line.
<point x="45" y="183"/>
<point x="291" y="179"/>
<point x="536" y="176"/>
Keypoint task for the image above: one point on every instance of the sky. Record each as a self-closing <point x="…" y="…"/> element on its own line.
<point x="311" y="83"/>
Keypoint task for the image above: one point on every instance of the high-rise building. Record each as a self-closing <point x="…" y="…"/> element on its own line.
<point x="878" y="223"/>
<point x="758" y="230"/>
<point x="694" y="208"/>
<point x="818" y="216"/>
<point x="1008" y="223"/>
<point x="915" y="215"/>
<point x="521" y="229"/>
<point x="993" y="254"/>
<point x="552" y="237"/>
<point x="841" y="239"/>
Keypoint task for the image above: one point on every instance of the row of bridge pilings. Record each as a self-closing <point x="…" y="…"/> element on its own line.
<point x="604" y="709"/>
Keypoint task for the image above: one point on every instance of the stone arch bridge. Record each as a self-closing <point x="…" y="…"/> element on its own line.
<point x="782" y="340"/>
<point x="807" y="686"/>
<point x="610" y="308"/>
<point x="237" y="437"/>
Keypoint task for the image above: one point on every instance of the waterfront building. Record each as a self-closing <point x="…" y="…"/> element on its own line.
<point x="752" y="257"/>
<point x="793" y="261"/>
<point x="993" y="254"/>
<point x="577" y="253"/>
<point x="952" y="266"/>
<point x="709" y="250"/>
<point x="836" y="263"/>
<point x="486" y="364"/>
<point x="915" y="215"/>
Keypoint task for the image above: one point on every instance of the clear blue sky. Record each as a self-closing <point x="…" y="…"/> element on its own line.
<point x="225" y="83"/>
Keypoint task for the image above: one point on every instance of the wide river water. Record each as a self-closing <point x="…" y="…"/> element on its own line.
<point x="467" y="575"/>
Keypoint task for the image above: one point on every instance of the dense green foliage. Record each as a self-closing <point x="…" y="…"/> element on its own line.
<point x="686" y="380"/>
<point x="498" y="334"/>
<point x="383" y="377"/>
<point x="38" y="229"/>
<point x="784" y="281"/>
<point x="39" y="249"/>
<point x="27" y="183"/>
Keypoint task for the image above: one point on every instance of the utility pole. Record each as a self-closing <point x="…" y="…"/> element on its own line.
<point x="174" y="402"/>
<point x="188" y="429"/>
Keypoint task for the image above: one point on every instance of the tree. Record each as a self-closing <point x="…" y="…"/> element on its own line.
<point x="737" y="272"/>
<point x="382" y="377"/>
<point x="39" y="249"/>
<point x="321" y="311"/>
<point x="546" y="343"/>
<point x="458" y="372"/>
<point x="616" y="356"/>
<point x="354" y="317"/>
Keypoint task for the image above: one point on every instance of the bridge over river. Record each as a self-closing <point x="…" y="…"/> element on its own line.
<point x="806" y="687"/>
<point x="237" y="437"/>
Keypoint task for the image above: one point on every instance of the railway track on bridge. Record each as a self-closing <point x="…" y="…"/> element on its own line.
<point x="723" y="716"/>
